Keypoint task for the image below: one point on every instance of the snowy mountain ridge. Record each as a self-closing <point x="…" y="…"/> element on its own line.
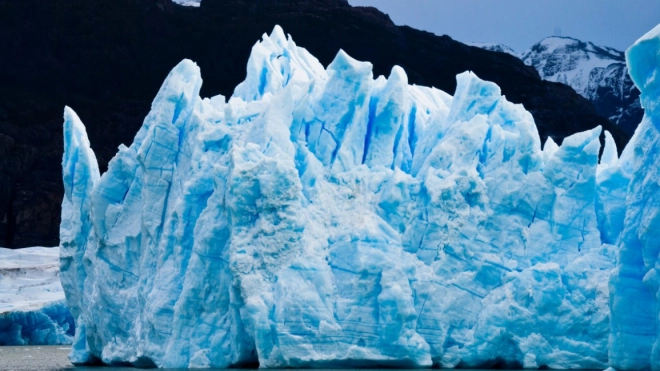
<point x="195" y="3"/>
<point x="493" y="47"/>
<point x="597" y="73"/>
<point x="570" y="61"/>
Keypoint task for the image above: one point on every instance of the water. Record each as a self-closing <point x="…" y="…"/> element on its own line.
<point x="49" y="358"/>
<point x="35" y="358"/>
<point x="54" y="358"/>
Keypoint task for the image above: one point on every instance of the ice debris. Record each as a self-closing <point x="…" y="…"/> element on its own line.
<point x="323" y="217"/>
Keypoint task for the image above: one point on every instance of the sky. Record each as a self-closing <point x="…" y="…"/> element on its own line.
<point x="521" y="23"/>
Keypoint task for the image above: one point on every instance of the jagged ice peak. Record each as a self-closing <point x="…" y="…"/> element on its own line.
<point x="322" y="217"/>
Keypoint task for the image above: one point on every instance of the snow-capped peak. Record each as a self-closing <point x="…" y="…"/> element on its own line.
<point x="496" y="48"/>
<point x="568" y="44"/>
<point x="597" y="73"/>
<point x="570" y="61"/>
<point x="194" y="3"/>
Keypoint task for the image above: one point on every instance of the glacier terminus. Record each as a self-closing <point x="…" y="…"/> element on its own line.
<point x="324" y="217"/>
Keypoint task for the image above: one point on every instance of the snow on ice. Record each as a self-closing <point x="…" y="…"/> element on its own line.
<point x="33" y="310"/>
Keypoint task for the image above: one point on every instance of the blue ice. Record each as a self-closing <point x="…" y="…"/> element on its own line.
<point x="325" y="217"/>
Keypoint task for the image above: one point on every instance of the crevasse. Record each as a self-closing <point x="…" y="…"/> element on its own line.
<point x="321" y="217"/>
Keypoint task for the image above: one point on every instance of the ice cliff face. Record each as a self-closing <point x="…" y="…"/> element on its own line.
<point x="321" y="217"/>
<point x="33" y="310"/>
<point x="597" y="73"/>
<point x="635" y="305"/>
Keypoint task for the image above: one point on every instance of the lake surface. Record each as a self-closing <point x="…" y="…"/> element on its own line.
<point x="35" y="358"/>
<point x="48" y="358"/>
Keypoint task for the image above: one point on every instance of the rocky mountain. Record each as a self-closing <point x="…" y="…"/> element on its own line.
<point x="597" y="73"/>
<point x="108" y="58"/>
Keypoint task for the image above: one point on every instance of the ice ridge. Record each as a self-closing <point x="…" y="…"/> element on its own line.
<point x="322" y="217"/>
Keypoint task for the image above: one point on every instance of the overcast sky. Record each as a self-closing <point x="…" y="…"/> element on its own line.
<point x="521" y="23"/>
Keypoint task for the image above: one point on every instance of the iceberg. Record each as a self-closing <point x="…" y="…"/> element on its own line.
<point x="33" y="310"/>
<point x="324" y="217"/>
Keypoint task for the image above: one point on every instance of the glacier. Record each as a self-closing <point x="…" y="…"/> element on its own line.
<point x="324" y="217"/>
<point x="635" y="283"/>
<point x="33" y="309"/>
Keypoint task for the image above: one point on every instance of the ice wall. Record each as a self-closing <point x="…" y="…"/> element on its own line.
<point x="323" y="217"/>
<point x="635" y="283"/>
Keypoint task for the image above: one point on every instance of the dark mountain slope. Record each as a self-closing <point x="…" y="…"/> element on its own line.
<point x="107" y="59"/>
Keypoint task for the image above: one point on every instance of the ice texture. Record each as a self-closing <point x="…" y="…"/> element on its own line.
<point x="635" y="283"/>
<point x="33" y="310"/>
<point x="322" y="217"/>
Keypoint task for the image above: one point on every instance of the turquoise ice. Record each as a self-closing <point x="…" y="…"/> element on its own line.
<point x="635" y="283"/>
<point x="325" y="217"/>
